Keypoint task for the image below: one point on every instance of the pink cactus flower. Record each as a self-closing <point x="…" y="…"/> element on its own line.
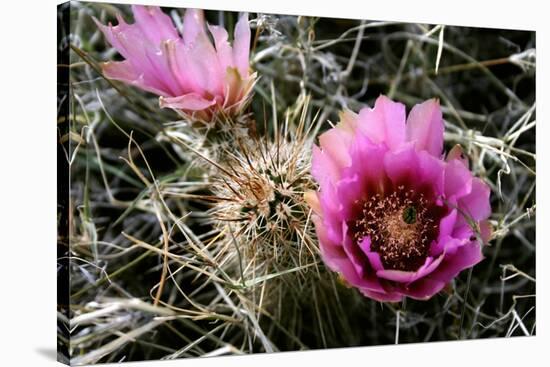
<point x="393" y="217"/>
<point x="187" y="71"/>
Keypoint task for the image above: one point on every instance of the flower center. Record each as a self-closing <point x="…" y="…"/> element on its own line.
<point x="401" y="227"/>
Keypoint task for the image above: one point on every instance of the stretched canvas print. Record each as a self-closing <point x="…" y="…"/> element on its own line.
<point x="235" y="183"/>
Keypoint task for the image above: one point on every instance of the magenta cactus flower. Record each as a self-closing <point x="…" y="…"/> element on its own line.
<point x="187" y="71"/>
<point x="393" y="217"/>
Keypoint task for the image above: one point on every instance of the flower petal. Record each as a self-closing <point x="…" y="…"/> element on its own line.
<point x="402" y="166"/>
<point x="355" y="255"/>
<point x="332" y="248"/>
<point x="234" y="88"/>
<point x="486" y="231"/>
<point x="432" y="172"/>
<point x="332" y="212"/>
<point x="147" y="59"/>
<point x="446" y="224"/>
<point x="311" y="198"/>
<point x="374" y="258"/>
<point x="241" y="45"/>
<point x="223" y="49"/>
<point x="476" y="204"/>
<point x="193" y="25"/>
<point x="335" y="142"/>
<point x="447" y="245"/>
<point x="425" y="127"/>
<point x="385" y="123"/>
<point x="465" y="257"/>
<point x="154" y="24"/>
<point x="424" y="288"/>
<point x="349" y="190"/>
<point x="458" y="180"/>
<point x="371" y="171"/>
<point x="462" y="229"/>
<point x="458" y="153"/>
<point x="177" y="62"/>
<point x="323" y="167"/>
<point x="202" y="65"/>
<point x="188" y="102"/>
<point x="401" y="276"/>
<point x="124" y="71"/>
<point x="382" y="296"/>
<point x="348" y="121"/>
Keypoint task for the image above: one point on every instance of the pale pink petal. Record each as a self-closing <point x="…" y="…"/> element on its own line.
<point x="311" y="198"/>
<point x="332" y="213"/>
<point x="369" y="171"/>
<point x="385" y="123"/>
<point x="323" y="167"/>
<point x="173" y="51"/>
<point x="201" y="66"/>
<point x="348" y="121"/>
<point x="154" y="24"/>
<point x="193" y="25"/>
<point x="447" y="245"/>
<point x="349" y="265"/>
<point x="335" y="142"/>
<point x="374" y="258"/>
<point x="223" y="49"/>
<point x="188" y="102"/>
<point x="446" y="225"/>
<point x="401" y="276"/>
<point x="396" y="275"/>
<point x="109" y="33"/>
<point x="476" y="204"/>
<point x="462" y="230"/>
<point x="334" y="248"/>
<point x="486" y="230"/>
<point x="432" y="171"/>
<point x="382" y="296"/>
<point x="458" y="153"/>
<point x="147" y="59"/>
<point x="241" y="45"/>
<point x="120" y="70"/>
<point x="458" y="180"/>
<point x="465" y="257"/>
<point x="402" y="166"/>
<point x="330" y="205"/>
<point x="236" y="88"/>
<point x="342" y="265"/>
<point x="203" y="59"/>
<point x="348" y="191"/>
<point x="425" y="127"/>
<point x="124" y="71"/>
<point x="356" y="257"/>
<point x="424" y="288"/>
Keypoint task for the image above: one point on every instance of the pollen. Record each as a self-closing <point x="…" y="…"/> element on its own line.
<point x="401" y="227"/>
